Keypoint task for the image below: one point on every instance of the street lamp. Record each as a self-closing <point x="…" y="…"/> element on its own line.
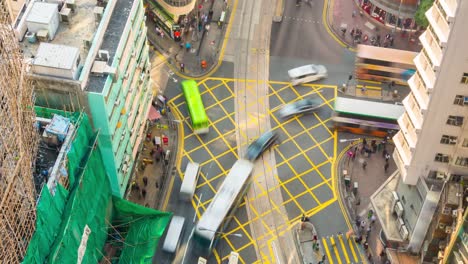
<point x="343" y="140"/>
<point x="221" y="233"/>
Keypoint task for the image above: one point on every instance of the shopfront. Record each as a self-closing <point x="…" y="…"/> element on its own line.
<point x="391" y="13"/>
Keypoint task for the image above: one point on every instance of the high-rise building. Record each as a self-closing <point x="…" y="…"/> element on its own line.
<point x="431" y="149"/>
<point x="93" y="56"/>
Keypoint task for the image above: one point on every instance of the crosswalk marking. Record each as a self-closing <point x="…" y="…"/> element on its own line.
<point x="351" y="246"/>
<point x="344" y="249"/>
<point x="333" y="243"/>
<point x="337" y="250"/>
<point x="324" y="242"/>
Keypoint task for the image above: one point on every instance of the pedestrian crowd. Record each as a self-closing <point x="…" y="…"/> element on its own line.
<point x="366" y="150"/>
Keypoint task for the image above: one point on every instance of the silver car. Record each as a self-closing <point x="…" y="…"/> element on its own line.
<point x="307" y="73"/>
<point x="299" y="107"/>
<point x="261" y="144"/>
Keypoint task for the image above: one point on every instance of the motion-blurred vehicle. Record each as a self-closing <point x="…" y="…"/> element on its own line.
<point x="307" y="73"/>
<point x="299" y="107"/>
<point x="261" y="144"/>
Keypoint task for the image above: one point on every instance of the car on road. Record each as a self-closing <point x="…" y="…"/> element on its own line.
<point x="261" y="144"/>
<point x="299" y="107"/>
<point x="307" y="73"/>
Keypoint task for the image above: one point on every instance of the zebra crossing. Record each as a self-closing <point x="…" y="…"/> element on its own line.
<point x="341" y="250"/>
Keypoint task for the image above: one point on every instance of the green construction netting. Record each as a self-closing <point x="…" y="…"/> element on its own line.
<point x="64" y="215"/>
<point x="143" y="228"/>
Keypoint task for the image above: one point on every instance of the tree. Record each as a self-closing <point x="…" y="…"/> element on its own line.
<point x="420" y="16"/>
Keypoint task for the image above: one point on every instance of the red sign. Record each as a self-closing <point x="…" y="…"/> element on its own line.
<point x="165" y="140"/>
<point x="200" y="7"/>
<point x="177" y="34"/>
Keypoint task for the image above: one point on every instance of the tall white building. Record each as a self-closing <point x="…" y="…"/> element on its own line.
<point x="432" y="146"/>
<point x="434" y="134"/>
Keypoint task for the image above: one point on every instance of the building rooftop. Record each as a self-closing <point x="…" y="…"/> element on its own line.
<point x="383" y="208"/>
<point x="57" y="56"/>
<point x="42" y="12"/>
<point x="75" y="33"/>
<point x="111" y="40"/>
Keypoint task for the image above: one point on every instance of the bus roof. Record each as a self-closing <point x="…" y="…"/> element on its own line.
<point x="368" y="108"/>
<point x="224" y="198"/>
<point x="194" y="101"/>
<point x="385" y="54"/>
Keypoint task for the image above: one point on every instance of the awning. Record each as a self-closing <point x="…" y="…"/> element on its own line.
<point x="153" y="114"/>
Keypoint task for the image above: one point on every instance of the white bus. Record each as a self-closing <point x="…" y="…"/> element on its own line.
<point x="224" y="204"/>
<point x="174" y="234"/>
<point x="189" y="184"/>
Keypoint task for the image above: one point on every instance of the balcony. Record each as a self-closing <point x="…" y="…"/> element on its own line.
<point x="425" y="70"/>
<point x="450" y="7"/>
<point x="408" y="130"/>
<point x="438" y="23"/>
<point x="413" y="111"/>
<point x="431" y="46"/>
<point x="419" y="91"/>
<point x="402" y="149"/>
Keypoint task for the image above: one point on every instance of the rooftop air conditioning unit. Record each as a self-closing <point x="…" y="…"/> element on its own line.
<point x="465" y="100"/>
<point x="454" y="213"/>
<point x="116" y="103"/>
<point x="398" y="209"/>
<point x="447" y="211"/>
<point x="440" y="176"/>
<point x="404" y="232"/>
<point x="103" y="55"/>
<point x="127" y="159"/>
<point x="395" y="198"/>
<point x="400" y="222"/>
<point x="122" y="137"/>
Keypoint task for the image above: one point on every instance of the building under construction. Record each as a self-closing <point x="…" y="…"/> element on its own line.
<point x="17" y="148"/>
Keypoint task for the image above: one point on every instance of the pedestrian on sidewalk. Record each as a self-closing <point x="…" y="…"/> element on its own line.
<point x="188" y="46"/>
<point x="387" y="157"/>
<point x="145" y="181"/>
<point x="373" y="218"/>
<point x="386" y="166"/>
<point x="182" y="67"/>
<point x="354" y="155"/>
<point x="364" y="164"/>
<point x="204" y="64"/>
<point x="366" y="245"/>
<point x="207" y="28"/>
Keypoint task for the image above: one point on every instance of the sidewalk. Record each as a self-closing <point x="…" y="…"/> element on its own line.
<point x="363" y="182"/>
<point x="205" y="42"/>
<point x="153" y="166"/>
<point x="340" y="16"/>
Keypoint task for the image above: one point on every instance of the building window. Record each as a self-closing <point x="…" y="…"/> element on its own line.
<point x="461" y="161"/>
<point x="455" y="120"/>
<point x="459" y="100"/>
<point x="442" y="158"/>
<point x="464" y="79"/>
<point x="449" y="140"/>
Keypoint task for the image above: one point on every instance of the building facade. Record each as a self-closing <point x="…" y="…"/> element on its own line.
<point x="431" y="148"/>
<point x="93" y="57"/>
<point x="168" y="14"/>
<point x="392" y="13"/>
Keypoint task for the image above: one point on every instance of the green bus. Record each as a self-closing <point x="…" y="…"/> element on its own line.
<point x="195" y="107"/>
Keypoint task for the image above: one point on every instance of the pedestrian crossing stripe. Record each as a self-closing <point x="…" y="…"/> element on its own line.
<point x="325" y="246"/>
<point x="337" y="249"/>
<point x="344" y="249"/>
<point x="352" y="244"/>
